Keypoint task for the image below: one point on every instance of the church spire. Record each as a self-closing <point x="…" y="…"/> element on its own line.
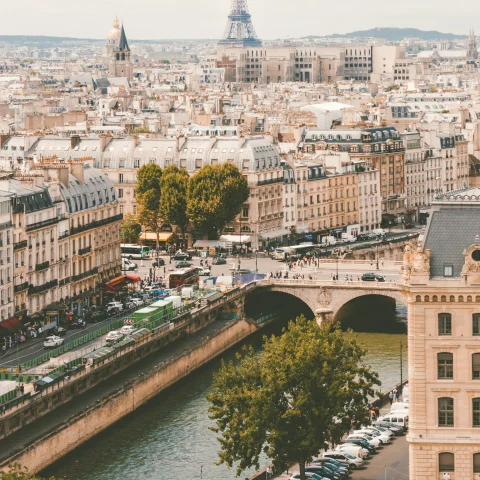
<point x="123" y="46"/>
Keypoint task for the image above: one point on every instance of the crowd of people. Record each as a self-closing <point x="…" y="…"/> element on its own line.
<point x="17" y="338"/>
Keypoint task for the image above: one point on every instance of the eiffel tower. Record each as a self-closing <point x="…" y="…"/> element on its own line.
<point x="239" y="31"/>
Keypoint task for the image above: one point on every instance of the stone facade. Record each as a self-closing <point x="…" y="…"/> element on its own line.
<point x="441" y="277"/>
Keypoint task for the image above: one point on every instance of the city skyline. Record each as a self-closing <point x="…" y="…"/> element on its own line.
<point x="76" y="20"/>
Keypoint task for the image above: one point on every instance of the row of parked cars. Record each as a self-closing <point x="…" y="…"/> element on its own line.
<point x="359" y="446"/>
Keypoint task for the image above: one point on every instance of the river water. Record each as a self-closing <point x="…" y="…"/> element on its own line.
<point x="169" y="439"/>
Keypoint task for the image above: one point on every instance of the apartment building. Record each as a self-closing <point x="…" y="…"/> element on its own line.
<point x="381" y="148"/>
<point x="441" y="278"/>
<point x="6" y="258"/>
<point x="369" y="199"/>
<point x="415" y="163"/>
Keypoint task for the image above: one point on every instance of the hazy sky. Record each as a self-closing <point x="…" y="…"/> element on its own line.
<point x="156" y="19"/>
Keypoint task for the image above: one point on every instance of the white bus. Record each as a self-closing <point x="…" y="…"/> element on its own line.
<point x="134" y="252"/>
<point x="282" y="253"/>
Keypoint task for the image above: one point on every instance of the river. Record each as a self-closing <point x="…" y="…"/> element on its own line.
<point x="169" y="439"/>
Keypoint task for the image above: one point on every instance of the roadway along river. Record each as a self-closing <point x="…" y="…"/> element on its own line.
<point x="168" y="439"/>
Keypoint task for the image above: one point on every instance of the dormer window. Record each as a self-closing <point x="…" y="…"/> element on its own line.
<point x="476" y="255"/>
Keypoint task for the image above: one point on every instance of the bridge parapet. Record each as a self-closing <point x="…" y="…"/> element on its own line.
<point x="332" y="295"/>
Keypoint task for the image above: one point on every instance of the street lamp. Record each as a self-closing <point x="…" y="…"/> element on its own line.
<point x="377" y="258"/>
<point x="401" y="364"/>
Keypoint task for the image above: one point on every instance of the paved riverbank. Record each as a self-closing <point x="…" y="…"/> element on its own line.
<point x="61" y="415"/>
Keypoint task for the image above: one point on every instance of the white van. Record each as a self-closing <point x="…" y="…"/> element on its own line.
<point x="351" y="448"/>
<point x="128" y="264"/>
<point x="346" y="447"/>
<point x="399" y="406"/>
<point x="398" y="418"/>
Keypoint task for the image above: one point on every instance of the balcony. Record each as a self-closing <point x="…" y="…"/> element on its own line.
<point x="42" y="288"/>
<point x="64" y="235"/>
<point x="41" y="266"/>
<point x="44" y="223"/>
<point x="270" y="181"/>
<point x="19" y="245"/>
<point x="63" y="282"/>
<point x="84" y="251"/>
<point x="21" y="287"/>
<point x="81" y="276"/>
<point x="96" y="224"/>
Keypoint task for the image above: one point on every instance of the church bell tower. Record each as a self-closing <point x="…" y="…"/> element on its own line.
<point x="120" y="60"/>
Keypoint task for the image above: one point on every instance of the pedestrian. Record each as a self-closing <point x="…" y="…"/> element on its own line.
<point x="397" y="395"/>
<point x="269" y="472"/>
<point x="394" y="394"/>
<point x="65" y="366"/>
<point x="390" y="397"/>
<point x="22" y="389"/>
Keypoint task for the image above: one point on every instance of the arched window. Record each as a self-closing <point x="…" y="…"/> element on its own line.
<point x="123" y="56"/>
<point x="460" y="298"/>
<point x="444" y="324"/>
<point x="452" y="299"/>
<point x="469" y="299"/>
<point x="427" y="299"/>
<point x="118" y="56"/>
<point x="444" y="298"/>
<point x="434" y="298"/>
<point x="476" y="366"/>
<point x="477" y="298"/>
<point x="445" y="365"/>
<point x="446" y="462"/>
<point x="445" y="412"/>
<point x="418" y="298"/>
<point x="476" y="412"/>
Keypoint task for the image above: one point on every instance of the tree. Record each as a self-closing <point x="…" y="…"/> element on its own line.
<point x="215" y="195"/>
<point x="131" y="229"/>
<point x="148" y="195"/>
<point x="173" y="202"/>
<point x="299" y="394"/>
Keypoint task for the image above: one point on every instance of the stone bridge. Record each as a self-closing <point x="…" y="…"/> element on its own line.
<point x="326" y="297"/>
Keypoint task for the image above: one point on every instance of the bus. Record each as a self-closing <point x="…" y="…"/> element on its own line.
<point x="183" y="276"/>
<point x="284" y="253"/>
<point x="134" y="252"/>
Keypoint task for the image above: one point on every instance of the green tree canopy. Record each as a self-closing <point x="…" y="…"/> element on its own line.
<point x="173" y="202"/>
<point x="131" y="229"/>
<point x="148" y="193"/>
<point x="215" y="196"/>
<point x="300" y="393"/>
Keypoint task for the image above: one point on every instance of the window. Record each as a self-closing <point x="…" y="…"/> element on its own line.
<point x="120" y="193"/>
<point x="445" y="412"/>
<point x="120" y="178"/>
<point x="476" y="366"/>
<point x="476" y="412"/>
<point x="136" y="163"/>
<point x="448" y="270"/>
<point x="446" y="462"/>
<point x="445" y="365"/>
<point x="444" y="324"/>
<point x="245" y="212"/>
<point x="476" y="324"/>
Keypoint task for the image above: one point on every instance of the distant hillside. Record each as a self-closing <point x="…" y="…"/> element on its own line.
<point x="397" y="34"/>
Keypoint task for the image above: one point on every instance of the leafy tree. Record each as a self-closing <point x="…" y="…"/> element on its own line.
<point x="299" y="394"/>
<point x="148" y="195"/>
<point x="173" y="202"/>
<point x="16" y="472"/>
<point x="131" y="229"/>
<point x="215" y="196"/>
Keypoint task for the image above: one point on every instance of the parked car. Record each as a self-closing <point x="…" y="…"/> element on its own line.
<point x="137" y="301"/>
<point x="127" y="329"/>
<point x="394" y="428"/>
<point x="363" y="443"/>
<point x="158" y="262"/>
<point x="352" y="449"/>
<point x="354" y="462"/>
<point x="324" y="472"/>
<point x="372" y="277"/>
<point x="182" y="256"/>
<point x="398" y="418"/>
<point x="296" y="476"/>
<point x="114" y="337"/>
<point x="183" y="264"/>
<point x="364" y="436"/>
<point x="204" y="272"/>
<point x="219" y="261"/>
<point x="114" y="306"/>
<point x="375" y="434"/>
<point x="53" y="341"/>
<point x="340" y="468"/>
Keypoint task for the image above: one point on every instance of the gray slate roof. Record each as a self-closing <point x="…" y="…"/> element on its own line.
<point x="451" y="230"/>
